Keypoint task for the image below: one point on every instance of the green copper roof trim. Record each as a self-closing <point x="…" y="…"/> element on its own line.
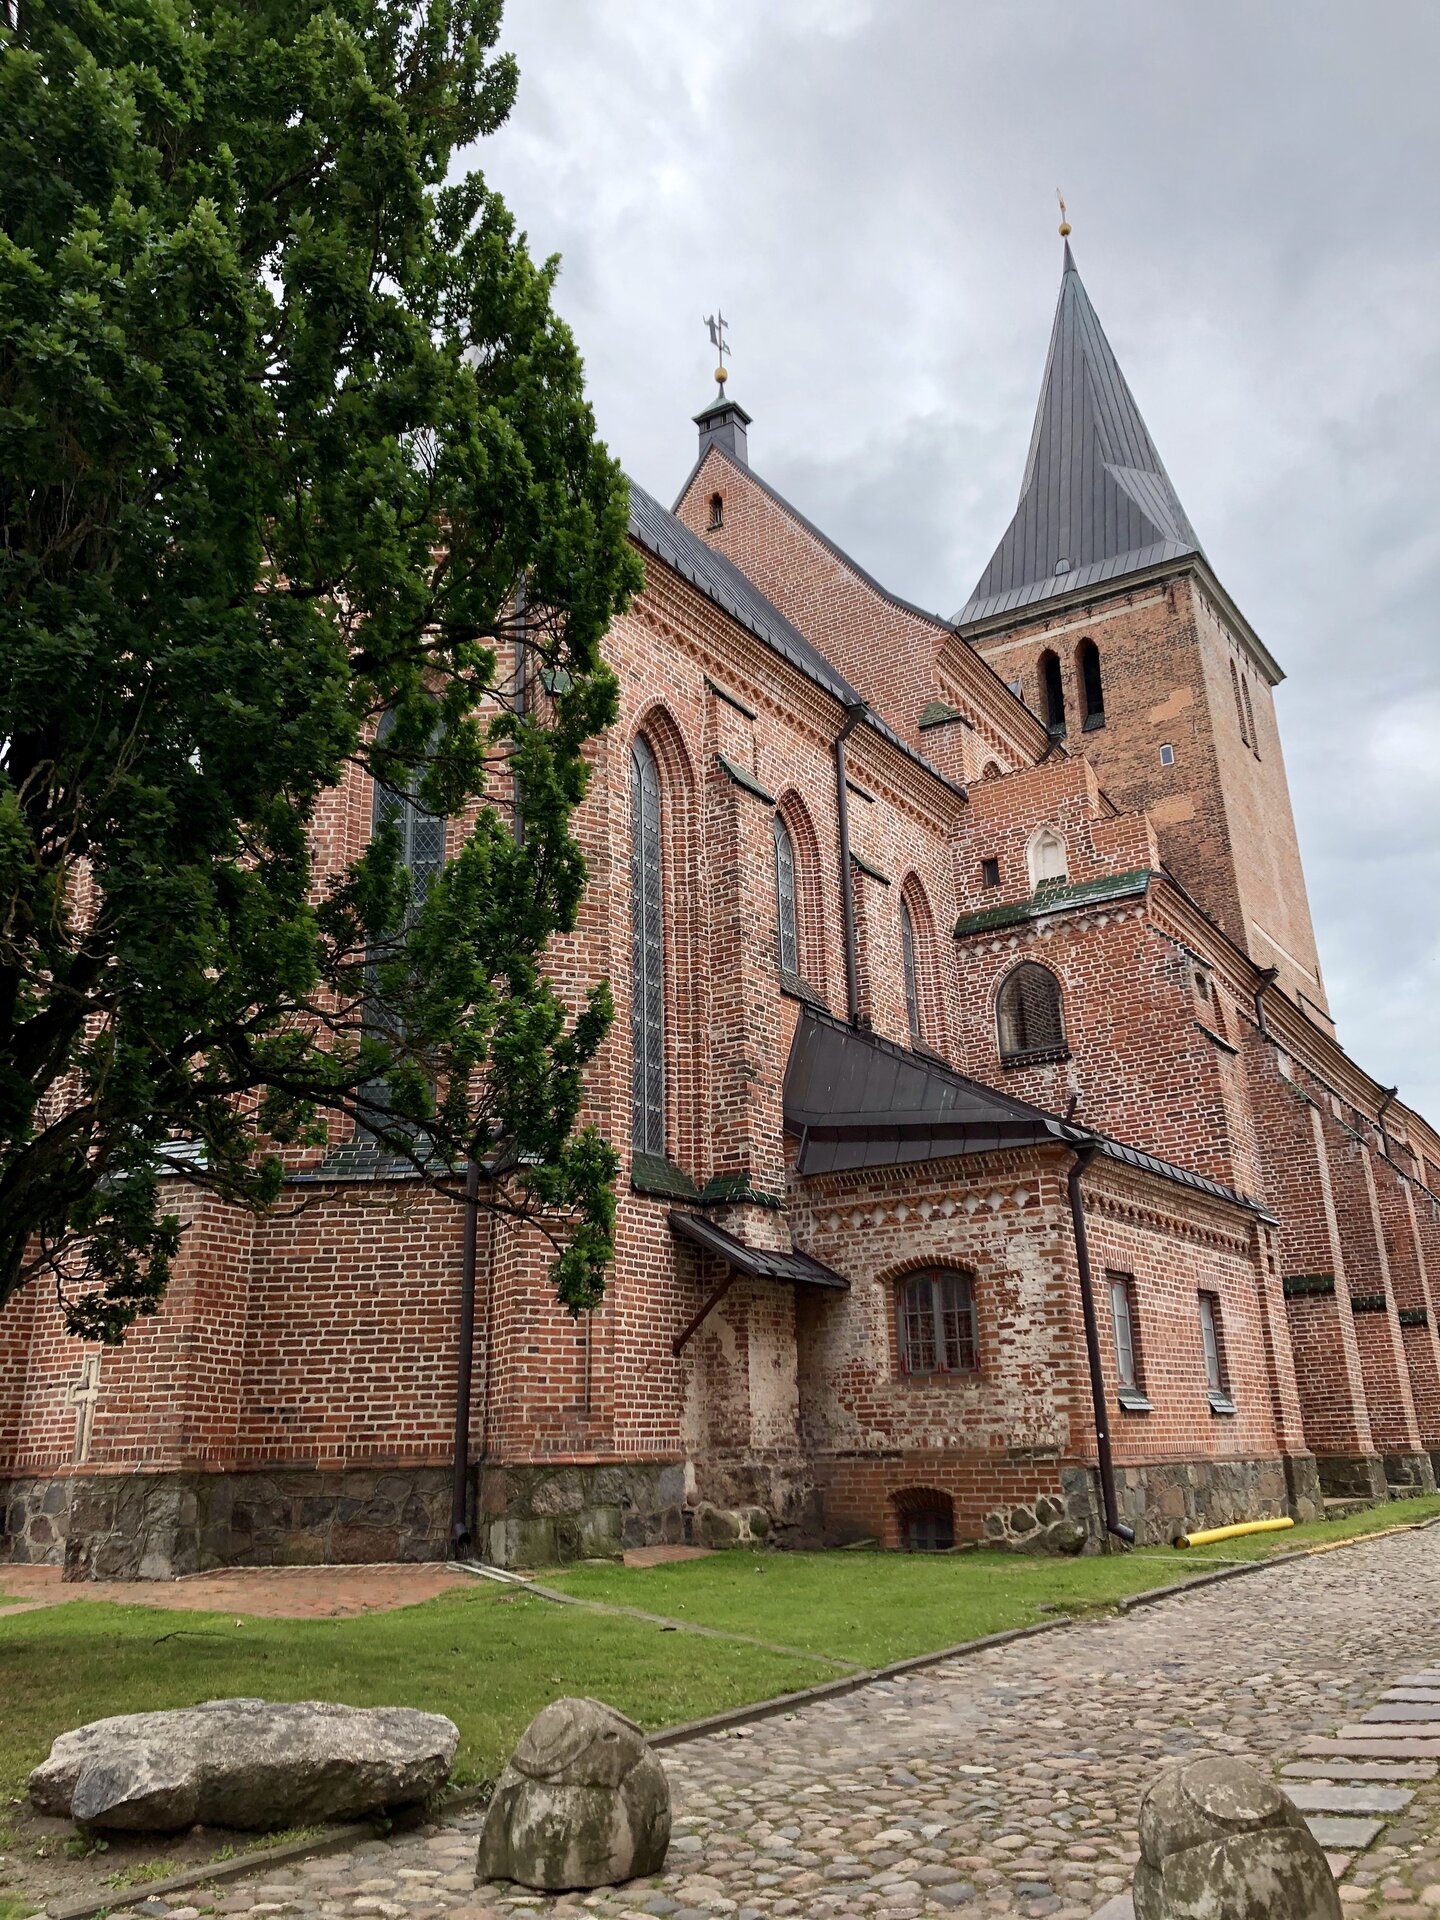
<point x="1369" y="1303"/>
<point x="1300" y="1286"/>
<point x="938" y="713"/>
<point x="1413" y="1317"/>
<point x="737" y="1189"/>
<point x="649" y="1173"/>
<point x="746" y="780"/>
<point x="1053" y="896"/>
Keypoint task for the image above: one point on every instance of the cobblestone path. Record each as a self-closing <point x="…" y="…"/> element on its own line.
<point x="1003" y="1783"/>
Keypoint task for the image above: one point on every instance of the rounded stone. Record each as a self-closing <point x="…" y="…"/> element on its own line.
<point x="1220" y="1841"/>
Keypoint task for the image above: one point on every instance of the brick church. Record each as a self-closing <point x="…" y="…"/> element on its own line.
<point x="991" y="1165"/>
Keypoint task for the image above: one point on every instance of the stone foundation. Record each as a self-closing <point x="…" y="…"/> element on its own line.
<point x="158" y="1526"/>
<point x="1164" y="1498"/>
<point x="536" y="1516"/>
<point x="1408" y="1475"/>
<point x="1351" y="1476"/>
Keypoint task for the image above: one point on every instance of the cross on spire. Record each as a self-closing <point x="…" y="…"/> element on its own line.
<point x="716" y="323"/>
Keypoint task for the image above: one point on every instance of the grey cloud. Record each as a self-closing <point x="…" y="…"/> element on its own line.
<point x="867" y="187"/>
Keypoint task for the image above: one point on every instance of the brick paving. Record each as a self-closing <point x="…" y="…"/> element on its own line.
<point x="1006" y="1783"/>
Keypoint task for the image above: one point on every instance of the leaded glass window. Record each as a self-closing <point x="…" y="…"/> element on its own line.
<point x="1031" y="1019"/>
<point x="912" y="984"/>
<point x="647" y="956"/>
<point x="937" y="1324"/>
<point x="785" y="899"/>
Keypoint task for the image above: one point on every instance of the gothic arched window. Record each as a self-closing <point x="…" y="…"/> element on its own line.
<point x="1030" y="1015"/>
<point x="935" y="1323"/>
<point x="647" y="956"/>
<point x="1052" y="687"/>
<point x="1087" y="658"/>
<point x="785" y="913"/>
<point x="912" y="979"/>
<point x="421" y="837"/>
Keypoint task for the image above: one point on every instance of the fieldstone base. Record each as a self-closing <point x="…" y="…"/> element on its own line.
<point x="1164" y="1498"/>
<point x="1351" y="1476"/>
<point x="157" y="1526"/>
<point x="1409" y="1474"/>
<point x="537" y="1516"/>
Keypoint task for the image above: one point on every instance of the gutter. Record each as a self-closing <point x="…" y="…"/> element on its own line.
<point x="1085" y="1147"/>
<point x="854" y="714"/>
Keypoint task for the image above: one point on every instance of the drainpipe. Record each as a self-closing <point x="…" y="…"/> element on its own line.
<point x="465" y="1357"/>
<point x="1268" y="977"/>
<point x="1085" y="1150"/>
<point x="1385" y="1106"/>
<point x="853" y="716"/>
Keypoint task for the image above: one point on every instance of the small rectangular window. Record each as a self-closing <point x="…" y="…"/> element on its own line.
<point x="1212" y="1340"/>
<point x="1167" y="755"/>
<point x="1123" y="1323"/>
<point x="990" y="872"/>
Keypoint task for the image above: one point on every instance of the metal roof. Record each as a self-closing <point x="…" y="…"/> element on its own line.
<point x="685" y="553"/>
<point x="761" y="1263"/>
<point x="1096" y="502"/>
<point x="855" y="1100"/>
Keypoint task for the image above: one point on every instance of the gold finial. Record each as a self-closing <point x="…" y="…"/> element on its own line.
<point x="1064" y="223"/>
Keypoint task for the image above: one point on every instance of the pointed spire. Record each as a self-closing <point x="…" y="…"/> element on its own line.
<point x="1096" y="502"/>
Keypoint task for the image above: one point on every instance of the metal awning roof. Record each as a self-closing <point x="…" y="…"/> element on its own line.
<point x="855" y="1100"/>
<point x="760" y="1263"/>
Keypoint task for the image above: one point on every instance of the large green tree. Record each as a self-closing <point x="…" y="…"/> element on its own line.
<point x="291" y="441"/>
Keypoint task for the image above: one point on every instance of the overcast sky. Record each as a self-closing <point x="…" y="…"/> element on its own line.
<point x="867" y="187"/>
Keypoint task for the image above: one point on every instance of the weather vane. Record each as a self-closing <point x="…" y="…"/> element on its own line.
<point x="1064" y="219"/>
<point x="716" y="323"/>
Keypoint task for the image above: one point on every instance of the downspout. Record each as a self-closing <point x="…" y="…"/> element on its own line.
<point x="1085" y="1151"/>
<point x="464" y="1369"/>
<point x="853" y="716"/>
<point x="1268" y="977"/>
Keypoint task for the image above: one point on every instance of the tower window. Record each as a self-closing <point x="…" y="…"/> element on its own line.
<point x="936" y="1324"/>
<point x="1239" y="706"/>
<point x="717" y="511"/>
<point x="1031" y="1017"/>
<point x="1167" y="755"/>
<point x="1087" y="658"/>
<point x="647" y="957"/>
<point x="990" y="873"/>
<point x="1052" y="687"/>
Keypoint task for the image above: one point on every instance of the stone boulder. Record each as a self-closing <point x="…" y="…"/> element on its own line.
<point x="583" y="1802"/>
<point x="1220" y="1841"/>
<point x="244" y="1763"/>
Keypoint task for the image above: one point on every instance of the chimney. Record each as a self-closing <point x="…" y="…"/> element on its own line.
<point x="723" y="425"/>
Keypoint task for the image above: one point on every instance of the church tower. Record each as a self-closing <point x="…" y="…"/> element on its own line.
<point x="1103" y="612"/>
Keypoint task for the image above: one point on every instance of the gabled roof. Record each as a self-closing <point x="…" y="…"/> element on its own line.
<point x="1096" y="502"/>
<point x="855" y="1100"/>
<point x="685" y="553"/>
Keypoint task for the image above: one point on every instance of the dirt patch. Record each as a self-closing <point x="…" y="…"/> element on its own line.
<point x="290" y="1593"/>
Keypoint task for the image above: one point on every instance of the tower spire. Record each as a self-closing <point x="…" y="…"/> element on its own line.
<point x="1096" y="502"/>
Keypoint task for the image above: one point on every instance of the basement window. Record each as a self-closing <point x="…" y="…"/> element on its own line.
<point x="1167" y="755"/>
<point x="927" y="1519"/>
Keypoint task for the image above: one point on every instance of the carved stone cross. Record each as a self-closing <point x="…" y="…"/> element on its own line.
<point x="82" y="1394"/>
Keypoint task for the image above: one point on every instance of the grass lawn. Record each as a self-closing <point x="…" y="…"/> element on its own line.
<point x="876" y="1607"/>
<point x="488" y="1658"/>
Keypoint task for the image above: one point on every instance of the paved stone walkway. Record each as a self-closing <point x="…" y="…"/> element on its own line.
<point x="1006" y="1783"/>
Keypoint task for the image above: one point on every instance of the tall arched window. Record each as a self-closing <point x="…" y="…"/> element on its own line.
<point x="785" y="911"/>
<point x="1239" y="709"/>
<point x="1030" y="1015"/>
<point x="1092" y="687"/>
<point x="1250" y="716"/>
<point x="422" y="855"/>
<point x="912" y="976"/>
<point x="935" y="1323"/>
<point x="647" y="956"/>
<point x="1052" y="687"/>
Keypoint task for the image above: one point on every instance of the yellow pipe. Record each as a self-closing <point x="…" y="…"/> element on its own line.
<point x="1209" y="1534"/>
